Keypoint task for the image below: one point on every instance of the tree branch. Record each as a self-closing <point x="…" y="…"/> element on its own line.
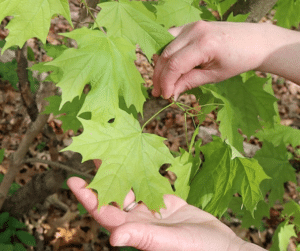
<point x="257" y="9"/>
<point x="24" y="85"/>
<point x="59" y="165"/>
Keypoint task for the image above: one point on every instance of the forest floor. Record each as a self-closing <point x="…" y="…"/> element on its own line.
<point x="61" y="226"/>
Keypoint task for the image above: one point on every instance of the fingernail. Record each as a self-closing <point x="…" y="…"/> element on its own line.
<point x="123" y="239"/>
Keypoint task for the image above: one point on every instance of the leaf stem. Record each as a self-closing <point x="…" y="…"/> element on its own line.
<point x="156" y="115"/>
<point x="186" y="133"/>
<point x="88" y="9"/>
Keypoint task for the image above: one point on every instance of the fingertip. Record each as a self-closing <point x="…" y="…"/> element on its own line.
<point x="155" y="92"/>
<point x="130" y="197"/>
<point x="76" y="183"/>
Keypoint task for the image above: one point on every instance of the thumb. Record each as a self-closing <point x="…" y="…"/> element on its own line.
<point x="190" y="80"/>
<point x="176" y="30"/>
<point x="148" y="236"/>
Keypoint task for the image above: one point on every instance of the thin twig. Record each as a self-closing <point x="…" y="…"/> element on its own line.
<point x="59" y="165"/>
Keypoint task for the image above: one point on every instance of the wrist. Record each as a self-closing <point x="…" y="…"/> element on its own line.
<point x="281" y="52"/>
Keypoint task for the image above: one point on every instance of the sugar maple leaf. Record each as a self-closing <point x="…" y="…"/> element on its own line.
<point x="132" y="20"/>
<point x="107" y="63"/>
<point x="221" y="176"/>
<point x="174" y="12"/>
<point x="293" y="209"/>
<point x="244" y="104"/>
<point x="130" y="159"/>
<point x="280" y="133"/>
<point x="282" y="235"/>
<point x="31" y="18"/>
<point x="182" y="168"/>
<point x="287" y="13"/>
<point x="275" y="163"/>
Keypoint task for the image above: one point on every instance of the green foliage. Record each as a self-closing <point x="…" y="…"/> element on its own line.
<point x="108" y="113"/>
<point x="274" y="161"/>
<point x="127" y="160"/>
<point x="8" y="71"/>
<point x="173" y="12"/>
<point x="95" y="62"/>
<point x="68" y="113"/>
<point x="282" y="236"/>
<point x="134" y="21"/>
<point x="245" y="101"/>
<point x="292" y="209"/>
<point x="280" y="133"/>
<point x="10" y="230"/>
<point x="287" y="13"/>
<point x="2" y="155"/>
<point x="221" y="176"/>
<point x="31" y="18"/>
<point x="248" y="220"/>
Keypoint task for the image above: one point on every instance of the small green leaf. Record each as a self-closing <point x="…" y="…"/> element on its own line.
<point x="174" y="12"/>
<point x="2" y="151"/>
<point x="6" y="247"/>
<point x="8" y="72"/>
<point x="128" y="249"/>
<point x="5" y="236"/>
<point x="81" y="209"/>
<point x="26" y="238"/>
<point x="3" y="218"/>
<point x="14" y="223"/>
<point x="19" y="247"/>
<point x="30" y="54"/>
<point x="282" y="235"/>
<point x="293" y="209"/>
<point x="182" y="168"/>
<point x="275" y="163"/>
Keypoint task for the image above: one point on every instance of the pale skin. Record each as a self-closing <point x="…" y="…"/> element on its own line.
<point x="202" y="53"/>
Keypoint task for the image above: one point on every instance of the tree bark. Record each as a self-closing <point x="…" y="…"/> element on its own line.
<point x="257" y="9"/>
<point x="24" y="85"/>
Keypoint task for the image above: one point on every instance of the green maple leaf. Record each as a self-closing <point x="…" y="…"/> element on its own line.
<point x="293" y="209"/>
<point x="68" y="113"/>
<point x="107" y="63"/>
<point x="282" y="236"/>
<point x="132" y="20"/>
<point x="245" y="103"/>
<point x="53" y="51"/>
<point x="31" y="18"/>
<point x="221" y="5"/>
<point x="8" y="71"/>
<point x="262" y="210"/>
<point x="182" y="168"/>
<point x="130" y="159"/>
<point x="221" y="176"/>
<point x="280" y="133"/>
<point x="275" y="163"/>
<point x="287" y="13"/>
<point x="174" y="12"/>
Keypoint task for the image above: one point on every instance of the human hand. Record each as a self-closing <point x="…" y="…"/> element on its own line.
<point x="180" y="226"/>
<point x="209" y="52"/>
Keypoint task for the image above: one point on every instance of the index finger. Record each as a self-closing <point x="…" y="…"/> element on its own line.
<point x="109" y="217"/>
<point x="180" y="63"/>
